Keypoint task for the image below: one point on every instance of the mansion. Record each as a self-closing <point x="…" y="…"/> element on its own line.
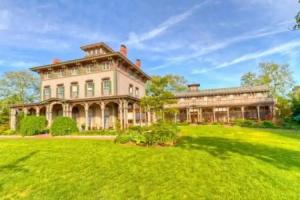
<point x="103" y="90"/>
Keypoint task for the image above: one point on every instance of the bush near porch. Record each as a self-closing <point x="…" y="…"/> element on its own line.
<point x="161" y="133"/>
<point x="32" y="125"/>
<point x="63" y="126"/>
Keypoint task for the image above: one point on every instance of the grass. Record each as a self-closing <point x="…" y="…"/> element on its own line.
<point x="209" y="162"/>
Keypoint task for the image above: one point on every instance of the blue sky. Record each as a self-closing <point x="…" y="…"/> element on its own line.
<point x="210" y="42"/>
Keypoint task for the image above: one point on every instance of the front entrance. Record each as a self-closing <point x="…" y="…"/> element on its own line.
<point x="194" y="117"/>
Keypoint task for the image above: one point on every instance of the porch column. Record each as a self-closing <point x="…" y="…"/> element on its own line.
<point x="86" y="111"/>
<point x="187" y="115"/>
<point x="121" y="114"/>
<point x="102" y="115"/>
<point x="125" y="110"/>
<point x="134" y="114"/>
<point x="175" y="117"/>
<point x="201" y="115"/>
<point x="258" y="112"/>
<point x="140" y="116"/>
<point x="214" y="115"/>
<point x="273" y="112"/>
<point x="13" y="119"/>
<point x="148" y="117"/>
<point x="25" y="110"/>
<point x="49" y="115"/>
<point x="37" y="111"/>
<point x="243" y="112"/>
<point x="228" y="115"/>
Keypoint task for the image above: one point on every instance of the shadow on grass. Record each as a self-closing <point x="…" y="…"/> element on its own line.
<point x="15" y="165"/>
<point x="223" y="147"/>
<point x="293" y="134"/>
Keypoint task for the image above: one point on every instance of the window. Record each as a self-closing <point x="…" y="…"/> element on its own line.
<point x="89" y="88"/>
<point x="74" y="90"/>
<point x="105" y="66"/>
<point x="60" y="91"/>
<point x="137" y="92"/>
<point x="130" y="89"/>
<point x="47" y="75"/>
<point x="89" y="68"/>
<point x="47" y="92"/>
<point x="106" y="87"/>
<point x="74" y="71"/>
<point x="59" y="73"/>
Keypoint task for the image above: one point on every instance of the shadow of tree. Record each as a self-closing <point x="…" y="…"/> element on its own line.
<point x="222" y="148"/>
<point x="15" y="165"/>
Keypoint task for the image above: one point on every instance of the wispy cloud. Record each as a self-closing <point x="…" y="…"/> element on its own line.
<point x="200" y="51"/>
<point x="138" y="39"/>
<point x="17" y="64"/>
<point x="252" y="56"/>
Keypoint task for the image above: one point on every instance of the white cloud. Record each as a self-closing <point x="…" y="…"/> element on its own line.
<point x="4" y="19"/>
<point x="200" y="51"/>
<point x="17" y="63"/>
<point x="281" y="49"/>
<point x="138" y="39"/>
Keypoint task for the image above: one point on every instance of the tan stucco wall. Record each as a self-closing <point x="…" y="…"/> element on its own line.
<point x="81" y="79"/>
<point x="123" y="82"/>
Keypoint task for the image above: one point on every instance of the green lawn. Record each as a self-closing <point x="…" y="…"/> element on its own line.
<point x="210" y="162"/>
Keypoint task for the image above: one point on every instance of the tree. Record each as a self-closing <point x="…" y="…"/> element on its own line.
<point x="277" y="77"/>
<point x="22" y="85"/>
<point x="297" y="26"/>
<point x="16" y="88"/>
<point x="160" y="92"/>
<point x="249" y="79"/>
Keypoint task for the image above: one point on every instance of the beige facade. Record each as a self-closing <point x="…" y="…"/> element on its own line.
<point x="99" y="91"/>
<point x="224" y="105"/>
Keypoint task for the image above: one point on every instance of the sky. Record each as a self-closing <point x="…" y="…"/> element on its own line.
<point x="211" y="42"/>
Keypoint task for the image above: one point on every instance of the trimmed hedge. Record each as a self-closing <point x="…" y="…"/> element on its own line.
<point x="63" y="126"/>
<point x="32" y="125"/>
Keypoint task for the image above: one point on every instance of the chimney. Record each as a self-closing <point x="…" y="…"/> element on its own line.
<point x="193" y="87"/>
<point x="56" y="61"/>
<point x="138" y="63"/>
<point x="123" y="50"/>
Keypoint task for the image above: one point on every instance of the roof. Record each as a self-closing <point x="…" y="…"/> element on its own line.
<point x="221" y="91"/>
<point x="112" y="53"/>
<point x="95" y="45"/>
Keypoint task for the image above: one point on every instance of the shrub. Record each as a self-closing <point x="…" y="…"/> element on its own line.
<point x="32" y="125"/>
<point x="97" y="132"/>
<point x="246" y="123"/>
<point x="267" y="124"/>
<point x="63" y="126"/>
<point x="123" y="139"/>
<point x="138" y="138"/>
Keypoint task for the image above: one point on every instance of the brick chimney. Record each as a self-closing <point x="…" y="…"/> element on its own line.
<point x="56" y="61"/>
<point x="123" y="50"/>
<point x="138" y="63"/>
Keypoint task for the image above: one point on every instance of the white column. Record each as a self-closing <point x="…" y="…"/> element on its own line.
<point x="134" y="114"/>
<point x="214" y="115"/>
<point x="86" y="109"/>
<point x="258" y="112"/>
<point x="228" y="115"/>
<point x="102" y="115"/>
<point x="37" y="111"/>
<point x="243" y="113"/>
<point x="13" y="119"/>
<point x="140" y="116"/>
<point x="121" y="114"/>
<point x="125" y="107"/>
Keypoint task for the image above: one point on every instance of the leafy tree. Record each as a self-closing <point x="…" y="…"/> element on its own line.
<point x="277" y="77"/>
<point x="297" y="26"/>
<point x="160" y="92"/>
<point x="22" y="85"/>
<point x="296" y="107"/>
<point x="15" y="88"/>
<point x="249" y="79"/>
